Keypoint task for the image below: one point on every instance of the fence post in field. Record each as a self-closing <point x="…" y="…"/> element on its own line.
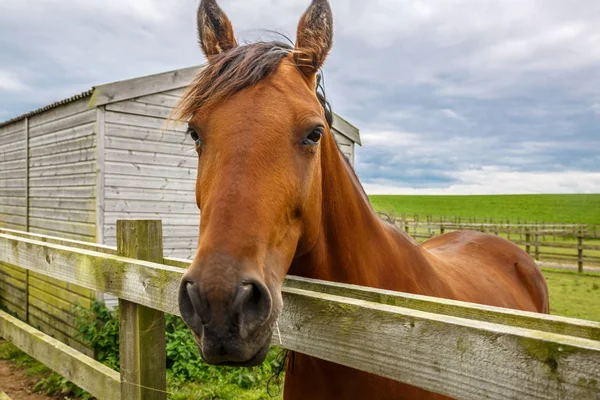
<point x="142" y="329"/>
<point x="580" y="252"/>
<point x="442" y="228"/>
<point x="527" y="241"/>
<point x="536" y="238"/>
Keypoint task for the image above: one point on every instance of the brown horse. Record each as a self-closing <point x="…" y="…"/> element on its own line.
<point x="277" y="197"/>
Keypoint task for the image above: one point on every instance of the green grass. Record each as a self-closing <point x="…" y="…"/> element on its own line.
<point x="574" y="295"/>
<point x="565" y="208"/>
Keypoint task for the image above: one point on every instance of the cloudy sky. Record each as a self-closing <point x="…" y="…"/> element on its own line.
<point x="451" y="96"/>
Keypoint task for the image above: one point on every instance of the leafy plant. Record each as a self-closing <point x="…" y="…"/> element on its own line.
<point x="98" y="327"/>
<point x="187" y="374"/>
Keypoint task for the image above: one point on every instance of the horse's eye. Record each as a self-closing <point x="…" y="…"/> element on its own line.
<point x="194" y="135"/>
<point x="313" y="137"/>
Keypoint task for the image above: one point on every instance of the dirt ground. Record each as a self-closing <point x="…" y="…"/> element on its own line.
<point x="16" y="385"/>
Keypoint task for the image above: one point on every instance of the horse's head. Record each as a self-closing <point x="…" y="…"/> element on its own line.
<point x="260" y="128"/>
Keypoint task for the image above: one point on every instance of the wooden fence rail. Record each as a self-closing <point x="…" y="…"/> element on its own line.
<point x="462" y="350"/>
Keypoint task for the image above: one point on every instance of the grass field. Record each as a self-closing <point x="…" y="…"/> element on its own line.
<point x="573" y="295"/>
<point x="567" y="208"/>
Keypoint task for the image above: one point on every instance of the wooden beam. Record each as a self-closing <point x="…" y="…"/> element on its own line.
<point x="100" y="173"/>
<point x="506" y="316"/>
<point x="457" y="357"/>
<point x="142" y="282"/>
<point x="345" y="128"/>
<point x="87" y="373"/>
<point x="78" y="244"/>
<point x="542" y="322"/>
<point x="132" y="88"/>
<point x="27" y="211"/>
<point x="26" y="122"/>
<point x="142" y="329"/>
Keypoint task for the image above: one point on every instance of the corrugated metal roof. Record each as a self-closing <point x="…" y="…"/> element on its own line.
<point x="81" y="95"/>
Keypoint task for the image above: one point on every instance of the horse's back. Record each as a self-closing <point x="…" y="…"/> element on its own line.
<point x="488" y="269"/>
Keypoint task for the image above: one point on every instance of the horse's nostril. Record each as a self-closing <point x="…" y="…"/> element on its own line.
<point x="199" y="304"/>
<point x="243" y="296"/>
<point x="252" y="305"/>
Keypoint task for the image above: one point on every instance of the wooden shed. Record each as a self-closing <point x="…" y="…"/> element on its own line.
<point x="74" y="167"/>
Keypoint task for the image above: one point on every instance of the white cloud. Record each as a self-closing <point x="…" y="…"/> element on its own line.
<point x="454" y="115"/>
<point x="9" y="82"/>
<point x="495" y="180"/>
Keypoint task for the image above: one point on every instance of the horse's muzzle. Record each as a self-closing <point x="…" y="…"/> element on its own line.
<point x="229" y="322"/>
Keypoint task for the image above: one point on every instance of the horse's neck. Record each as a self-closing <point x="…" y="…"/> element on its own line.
<point x="355" y="245"/>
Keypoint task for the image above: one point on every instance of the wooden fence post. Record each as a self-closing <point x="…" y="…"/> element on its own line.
<point x="536" y="237"/>
<point x="442" y="228"/>
<point x="527" y="241"/>
<point x="142" y="329"/>
<point x="580" y="253"/>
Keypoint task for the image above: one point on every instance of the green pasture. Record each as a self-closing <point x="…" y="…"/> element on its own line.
<point x="574" y="295"/>
<point x="564" y="208"/>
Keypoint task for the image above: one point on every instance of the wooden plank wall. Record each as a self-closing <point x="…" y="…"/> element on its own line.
<point x="61" y="202"/>
<point x="346" y="145"/>
<point x="62" y="174"/>
<point x="150" y="171"/>
<point x="13" y="210"/>
<point x="13" y="175"/>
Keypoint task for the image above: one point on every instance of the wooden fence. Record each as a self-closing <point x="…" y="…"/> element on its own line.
<point x="459" y="349"/>
<point x="43" y="302"/>
<point x="590" y="230"/>
<point x="570" y="244"/>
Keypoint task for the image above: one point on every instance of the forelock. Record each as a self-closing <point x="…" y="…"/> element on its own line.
<point x="234" y="70"/>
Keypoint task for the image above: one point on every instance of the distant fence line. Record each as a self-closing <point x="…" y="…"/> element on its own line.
<point x="574" y="244"/>
<point x="590" y="230"/>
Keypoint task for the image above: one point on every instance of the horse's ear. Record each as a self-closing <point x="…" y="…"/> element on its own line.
<point x="214" y="29"/>
<point x="314" y="37"/>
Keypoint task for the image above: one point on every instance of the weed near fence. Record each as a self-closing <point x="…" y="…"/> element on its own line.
<point x="187" y="374"/>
